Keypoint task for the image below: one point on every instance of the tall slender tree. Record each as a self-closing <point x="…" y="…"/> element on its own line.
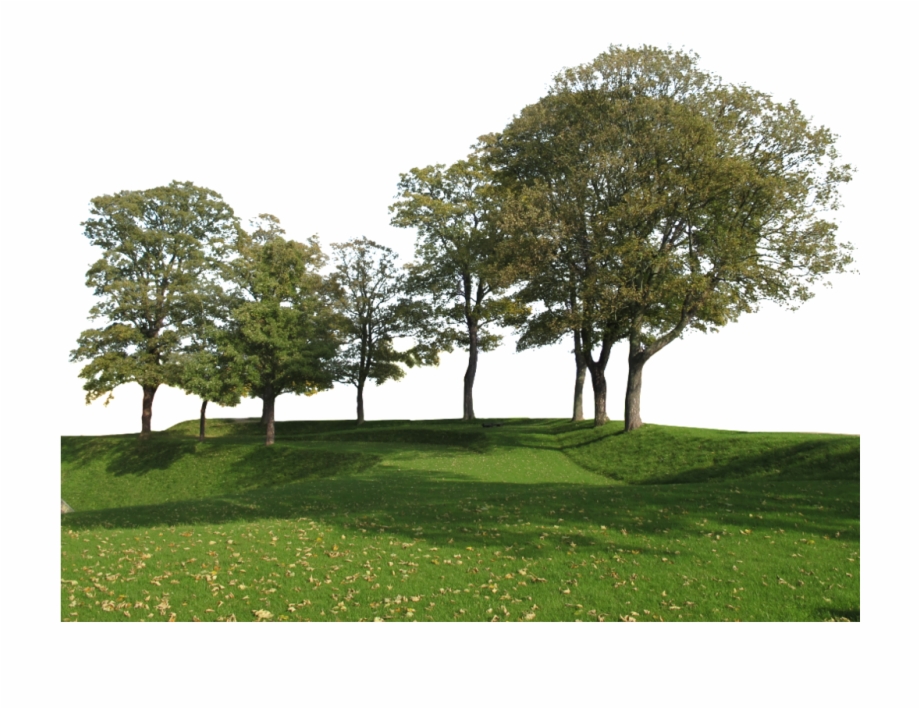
<point x="456" y="265"/>
<point x="160" y="251"/>
<point x="377" y="312"/>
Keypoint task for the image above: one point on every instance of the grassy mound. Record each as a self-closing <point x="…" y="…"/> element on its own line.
<point x="667" y="454"/>
<point x="441" y="520"/>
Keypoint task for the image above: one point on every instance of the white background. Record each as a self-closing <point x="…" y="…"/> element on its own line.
<point x="310" y="112"/>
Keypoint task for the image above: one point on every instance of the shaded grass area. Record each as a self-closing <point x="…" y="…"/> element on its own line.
<point x="493" y="524"/>
<point x="666" y="454"/>
<point x="101" y="473"/>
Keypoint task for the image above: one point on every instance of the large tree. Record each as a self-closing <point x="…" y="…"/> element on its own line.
<point x="700" y="199"/>
<point x="283" y="330"/>
<point x="160" y="253"/>
<point x="372" y="298"/>
<point x="567" y="169"/>
<point x="456" y="268"/>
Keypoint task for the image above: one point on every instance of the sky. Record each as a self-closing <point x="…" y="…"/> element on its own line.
<point x="310" y="111"/>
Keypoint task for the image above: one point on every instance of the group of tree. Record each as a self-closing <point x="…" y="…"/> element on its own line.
<point x="640" y="198"/>
<point x="190" y="299"/>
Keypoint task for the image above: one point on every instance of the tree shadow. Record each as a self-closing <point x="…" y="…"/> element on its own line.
<point x="143" y="455"/>
<point x="126" y="455"/>
<point x="845" y="614"/>
<point x="829" y="459"/>
<point x="271" y="466"/>
<point x="80" y="451"/>
<point x="465" y="510"/>
<point x="470" y="439"/>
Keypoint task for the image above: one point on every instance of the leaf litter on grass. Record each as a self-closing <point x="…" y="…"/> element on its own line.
<point x="495" y="539"/>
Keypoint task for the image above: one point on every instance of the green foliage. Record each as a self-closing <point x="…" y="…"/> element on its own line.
<point x="454" y="211"/>
<point x="210" y="367"/>
<point x="376" y="311"/>
<point x="646" y="196"/>
<point x="282" y="333"/>
<point x="210" y="371"/>
<point x="443" y="521"/>
<point x="160" y="253"/>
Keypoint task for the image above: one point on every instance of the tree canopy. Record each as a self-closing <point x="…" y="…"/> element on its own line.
<point x="456" y="266"/>
<point x="376" y="310"/>
<point x="160" y="253"/>
<point x="209" y="368"/>
<point x="648" y="197"/>
<point x="283" y="329"/>
<point x="641" y="198"/>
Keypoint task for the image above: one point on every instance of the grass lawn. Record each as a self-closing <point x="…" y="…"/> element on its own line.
<point x="536" y="520"/>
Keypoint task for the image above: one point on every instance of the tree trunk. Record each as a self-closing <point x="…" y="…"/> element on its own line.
<point x="639" y="354"/>
<point x="632" y="419"/>
<point x="360" y="402"/>
<point x="147" y="410"/>
<point x="204" y="405"/>
<point x="578" y="413"/>
<point x="268" y="413"/>
<point x="598" y="378"/>
<point x="470" y="376"/>
<point x="599" y="385"/>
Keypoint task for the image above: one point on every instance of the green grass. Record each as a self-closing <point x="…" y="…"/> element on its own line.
<point x="538" y="520"/>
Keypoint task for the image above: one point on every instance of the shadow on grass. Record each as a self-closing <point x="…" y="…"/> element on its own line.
<point x="411" y="503"/>
<point x="451" y="433"/>
<point x="141" y="456"/>
<point x="832" y="459"/>
<point x="187" y="468"/>
<point x="126" y="455"/>
<point x="845" y="614"/>
<point x="473" y="439"/>
<point x="660" y="455"/>
<point x="270" y="466"/>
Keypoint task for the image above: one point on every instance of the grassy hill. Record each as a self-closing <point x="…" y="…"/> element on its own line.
<point x="443" y="520"/>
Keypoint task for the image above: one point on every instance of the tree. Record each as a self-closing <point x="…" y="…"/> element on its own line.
<point x="207" y="365"/>
<point x="376" y="311"/>
<point x="210" y="371"/>
<point x="456" y="266"/>
<point x="160" y="249"/>
<point x="566" y="169"/>
<point x="282" y="329"/>
<point x="713" y="196"/>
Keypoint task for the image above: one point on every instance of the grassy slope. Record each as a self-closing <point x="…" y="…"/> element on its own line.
<point x="541" y="520"/>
